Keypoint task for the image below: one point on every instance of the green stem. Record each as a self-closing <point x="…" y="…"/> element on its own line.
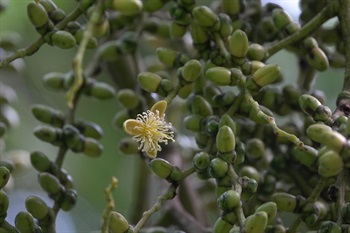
<point x="344" y="19"/>
<point x="312" y="198"/>
<point x="328" y="12"/>
<point x="220" y="43"/>
<point x="271" y="121"/>
<point x="187" y="173"/>
<point x="171" y="95"/>
<point x="156" y="207"/>
<point x="110" y="204"/>
<point x="33" y="48"/>
<point x="341" y="183"/>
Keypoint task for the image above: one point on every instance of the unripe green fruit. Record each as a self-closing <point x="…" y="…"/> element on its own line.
<point x="161" y="168"/>
<point x="281" y="18"/>
<point x="256" y="223"/>
<point x="218" y="168"/>
<point x="201" y="161"/>
<point x="205" y="17"/>
<point x="201" y="106"/>
<point x="149" y="81"/>
<point x="50" y="184"/>
<point x="40" y="161"/>
<point x="69" y="199"/>
<point x="256" y="52"/>
<point x="238" y="44"/>
<point x="117" y="223"/>
<point x="315" y="131"/>
<point x="92" y="147"/>
<point x="284" y="201"/>
<point x="330" y="164"/>
<point x="24" y="222"/>
<point x="37" y="14"/>
<point x="225" y="139"/>
<point x="229" y="200"/>
<point x="191" y="70"/>
<point x="125" y="7"/>
<point x="221" y="226"/>
<point x="4" y="203"/>
<point x="48" y="115"/>
<point x="63" y="39"/>
<point x="270" y="208"/>
<point x="36" y="207"/>
<point x="317" y="59"/>
<point x="4" y="176"/>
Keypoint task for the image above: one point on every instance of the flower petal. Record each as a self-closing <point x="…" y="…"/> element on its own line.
<point x="159" y="106"/>
<point x="131" y="126"/>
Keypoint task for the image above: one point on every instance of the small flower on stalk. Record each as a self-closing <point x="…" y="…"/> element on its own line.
<point x="150" y="129"/>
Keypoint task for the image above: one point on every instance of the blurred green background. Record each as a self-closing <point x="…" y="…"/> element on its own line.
<point x="91" y="176"/>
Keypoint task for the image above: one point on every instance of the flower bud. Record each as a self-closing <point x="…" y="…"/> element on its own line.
<point x="89" y="129"/>
<point x="117" y="223"/>
<point x="281" y="18"/>
<point x="57" y="15"/>
<point x="330" y="227"/>
<point x="284" y="201"/>
<point x="175" y="175"/>
<point x="152" y="5"/>
<point x="317" y="59"/>
<point x="334" y="141"/>
<point x="92" y="147"/>
<point x="256" y="52"/>
<point x="125" y="7"/>
<point x="129" y="146"/>
<point x="270" y="208"/>
<point x="255" y="149"/>
<point x="315" y="131"/>
<point x="120" y="117"/>
<point x="229" y="200"/>
<point x="37" y="14"/>
<point x="250" y="172"/>
<point x="306" y="155"/>
<point x="176" y="30"/>
<point x="73" y="139"/>
<point x="4" y="203"/>
<point x="99" y="90"/>
<point x="49" y="134"/>
<point x="194" y="122"/>
<point x="5" y="175"/>
<point x="225" y="25"/>
<point x="69" y="199"/>
<point x="63" y="39"/>
<point x="205" y="17"/>
<point x="36" y="207"/>
<point x="24" y="222"/>
<point x="191" y="70"/>
<point x="330" y="164"/>
<point x="2" y="129"/>
<point x="222" y="226"/>
<point x="201" y="107"/>
<point x="201" y="161"/>
<point x="48" y="115"/>
<point x="149" y="81"/>
<point x="40" y="161"/>
<point x="48" y="5"/>
<point x="219" y="75"/>
<point x="256" y="223"/>
<point x="218" y="168"/>
<point x="128" y="98"/>
<point x="50" y="184"/>
<point x="225" y="139"/>
<point x="238" y="44"/>
<point x="266" y="75"/>
<point x="171" y="58"/>
<point x="54" y="80"/>
<point x="311" y="106"/>
<point x="161" y="168"/>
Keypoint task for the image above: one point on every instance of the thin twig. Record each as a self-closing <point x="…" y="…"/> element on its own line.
<point x="344" y="19"/>
<point x="110" y="203"/>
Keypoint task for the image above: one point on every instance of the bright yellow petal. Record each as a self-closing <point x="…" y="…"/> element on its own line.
<point x="159" y="106"/>
<point x="151" y="154"/>
<point x="130" y="126"/>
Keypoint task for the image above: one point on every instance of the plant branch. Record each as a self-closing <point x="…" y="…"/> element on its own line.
<point x="110" y="203"/>
<point x="344" y="19"/>
<point x="341" y="183"/>
<point x="33" y="48"/>
<point x="328" y="12"/>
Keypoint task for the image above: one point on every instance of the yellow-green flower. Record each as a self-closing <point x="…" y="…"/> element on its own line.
<point x="150" y="129"/>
